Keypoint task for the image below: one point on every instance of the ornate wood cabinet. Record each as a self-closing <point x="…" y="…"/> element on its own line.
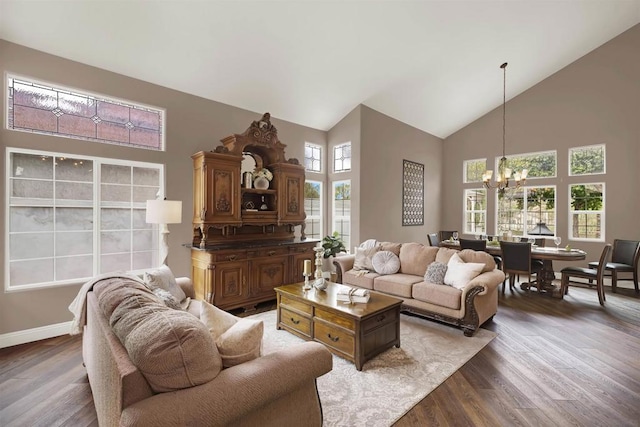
<point x="243" y="237"/>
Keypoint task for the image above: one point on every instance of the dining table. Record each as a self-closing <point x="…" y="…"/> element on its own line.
<point x="547" y="255"/>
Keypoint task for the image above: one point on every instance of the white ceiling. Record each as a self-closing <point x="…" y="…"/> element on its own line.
<point x="431" y="64"/>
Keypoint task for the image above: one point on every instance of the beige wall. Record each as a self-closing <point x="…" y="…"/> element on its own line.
<point x="594" y="100"/>
<point x="385" y="143"/>
<point x="192" y="124"/>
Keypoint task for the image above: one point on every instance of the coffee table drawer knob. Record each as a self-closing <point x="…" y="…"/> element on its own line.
<point x="334" y="339"/>
<point x="381" y="318"/>
<point x="294" y="321"/>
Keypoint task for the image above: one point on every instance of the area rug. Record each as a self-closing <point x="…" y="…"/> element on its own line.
<point x="391" y="383"/>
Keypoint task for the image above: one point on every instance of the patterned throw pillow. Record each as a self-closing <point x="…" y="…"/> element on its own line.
<point x="363" y="258"/>
<point x="162" y="277"/>
<point x="168" y="299"/>
<point x="435" y="273"/>
<point x="386" y="262"/>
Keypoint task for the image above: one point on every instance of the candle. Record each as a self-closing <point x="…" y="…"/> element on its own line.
<point x="307" y="267"/>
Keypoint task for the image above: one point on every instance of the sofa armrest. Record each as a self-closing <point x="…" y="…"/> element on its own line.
<point x="343" y="264"/>
<point x="236" y="391"/>
<point x="186" y="285"/>
<point x="488" y="281"/>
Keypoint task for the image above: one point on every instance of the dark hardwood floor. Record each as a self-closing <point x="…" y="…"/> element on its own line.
<point x="554" y="363"/>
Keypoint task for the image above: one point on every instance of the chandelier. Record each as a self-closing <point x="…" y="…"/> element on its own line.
<point x="504" y="172"/>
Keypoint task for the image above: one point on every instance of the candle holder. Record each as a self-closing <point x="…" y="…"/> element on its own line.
<point x="319" y="253"/>
<point x="307" y="285"/>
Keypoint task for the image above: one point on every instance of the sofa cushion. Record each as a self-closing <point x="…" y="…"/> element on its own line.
<point x="171" y="348"/>
<point x="396" y="284"/>
<point x="469" y="255"/>
<point x="444" y="296"/>
<point x="238" y="339"/>
<point x="435" y="273"/>
<point x="385" y="262"/>
<point x="364" y="257"/>
<point x="362" y="278"/>
<point x="163" y="278"/>
<point x="460" y="273"/>
<point x="391" y="247"/>
<point x="416" y="257"/>
<point x="112" y="291"/>
<point x="445" y="254"/>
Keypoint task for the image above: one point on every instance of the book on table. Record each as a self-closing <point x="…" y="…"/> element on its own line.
<point x="352" y="295"/>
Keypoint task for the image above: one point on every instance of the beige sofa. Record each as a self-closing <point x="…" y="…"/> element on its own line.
<point x="466" y="308"/>
<point x="277" y="389"/>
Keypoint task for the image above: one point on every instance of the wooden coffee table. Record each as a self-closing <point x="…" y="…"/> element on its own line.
<point x="356" y="332"/>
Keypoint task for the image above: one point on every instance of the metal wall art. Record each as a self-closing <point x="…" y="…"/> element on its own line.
<point x="412" y="193"/>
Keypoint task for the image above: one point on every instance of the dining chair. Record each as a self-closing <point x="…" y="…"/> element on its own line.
<point x="516" y="260"/>
<point x="476" y="245"/>
<point x="433" y="239"/>
<point x="624" y="259"/>
<point x="445" y="235"/>
<point x="590" y="274"/>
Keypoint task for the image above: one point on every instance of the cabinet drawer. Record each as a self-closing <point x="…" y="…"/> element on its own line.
<point x="334" y="337"/>
<point x="229" y="256"/>
<point x="269" y="252"/>
<point x="379" y="320"/>
<point x="300" y="306"/>
<point x="295" y="321"/>
<point x="298" y="249"/>
<point x="345" y="322"/>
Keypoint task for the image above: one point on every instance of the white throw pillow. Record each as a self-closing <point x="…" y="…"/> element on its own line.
<point x="385" y="262"/>
<point x="459" y="273"/>
<point x="363" y="258"/>
<point x="238" y="339"/>
<point x="163" y="278"/>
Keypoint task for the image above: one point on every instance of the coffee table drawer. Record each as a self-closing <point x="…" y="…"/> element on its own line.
<point x="335" y="338"/>
<point x="298" y="305"/>
<point x="345" y="322"/>
<point x="379" y="320"/>
<point x="295" y="321"/>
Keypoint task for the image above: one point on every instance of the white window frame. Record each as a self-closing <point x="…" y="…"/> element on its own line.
<point x="96" y="206"/>
<point x="335" y="147"/>
<point x="602" y="213"/>
<point x="511" y="156"/>
<point x="526" y="213"/>
<point x="335" y="217"/>
<point x="604" y="160"/>
<point x="313" y="147"/>
<point x="320" y="216"/>
<point x="465" y="179"/>
<point x="465" y="211"/>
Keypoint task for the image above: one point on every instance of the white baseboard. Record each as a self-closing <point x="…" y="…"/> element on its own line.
<point x="35" y="334"/>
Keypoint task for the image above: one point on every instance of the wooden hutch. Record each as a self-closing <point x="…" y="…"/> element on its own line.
<point x="243" y="237"/>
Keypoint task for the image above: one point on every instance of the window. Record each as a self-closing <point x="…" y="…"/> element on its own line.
<point x="76" y="216"/>
<point x="342" y="210"/>
<point x="586" y="211"/>
<point x="43" y="108"/>
<point x="525" y="208"/>
<point x="588" y="160"/>
<point x="473" y="170"/>
<point x="539" y="165"/>
<point x="312" y="157"/>
<point x="475" y="211"/>
<point x="313" y="209"/>
<point x="342" y="157"/>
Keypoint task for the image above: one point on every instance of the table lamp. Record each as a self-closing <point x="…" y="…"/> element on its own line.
<point x="164" y="212"/>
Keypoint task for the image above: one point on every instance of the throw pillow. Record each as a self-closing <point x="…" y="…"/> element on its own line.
<point x="168" y="299"/>
<point x="385" y="262"/>
<point x="435" y="273"/>
<point x="238" y="339"/>
<point x="363" y="258"/>
<point x="163" y="278"/>
<point x="459" y="273"/>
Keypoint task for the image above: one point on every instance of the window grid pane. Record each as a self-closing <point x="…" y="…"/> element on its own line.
<point x="587" y="211"/>
<point x="539" y="165"/>
<point x="342" y="210"/>
<point x="313" y="209"/>
<point x="475" y="211"/>
<point x="525" y="208"/>
<point x="342" y="157"/>
<point x="312" y="157"/>
<point x="50" y="110"/>
<point x="473" y="170"/>
<point x="587" y="160"/>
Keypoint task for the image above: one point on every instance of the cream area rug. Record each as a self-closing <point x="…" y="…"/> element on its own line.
<point x="391" y="383"/>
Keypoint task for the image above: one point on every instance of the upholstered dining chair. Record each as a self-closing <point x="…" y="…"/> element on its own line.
<point x="587" y="273"/>
<point x="476" y="245"/>
<point x="516" y="260"/>
<point x="433" y="239"/>
<point x="624" y="259"/>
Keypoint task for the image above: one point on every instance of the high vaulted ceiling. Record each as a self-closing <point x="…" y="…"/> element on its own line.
<point x="431" y="64"/>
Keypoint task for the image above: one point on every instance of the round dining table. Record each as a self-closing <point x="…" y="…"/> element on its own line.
<point x="546" y="254"/>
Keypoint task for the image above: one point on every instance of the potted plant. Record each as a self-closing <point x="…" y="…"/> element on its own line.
<point x="332" y="245"/>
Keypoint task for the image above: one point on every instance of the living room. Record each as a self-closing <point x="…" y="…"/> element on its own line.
<point x="594" y="99"/>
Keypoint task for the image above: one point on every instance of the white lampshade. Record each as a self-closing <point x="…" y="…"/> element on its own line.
<point x="164" y="211"/>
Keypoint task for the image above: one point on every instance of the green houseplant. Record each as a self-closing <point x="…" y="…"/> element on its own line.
<point x="332" y="245"/>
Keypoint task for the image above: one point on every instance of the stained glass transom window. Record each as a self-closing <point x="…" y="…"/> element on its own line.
<point x="342" y="157"/>
<point x="312" y="157"/>
<point x="40" y="108"/>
